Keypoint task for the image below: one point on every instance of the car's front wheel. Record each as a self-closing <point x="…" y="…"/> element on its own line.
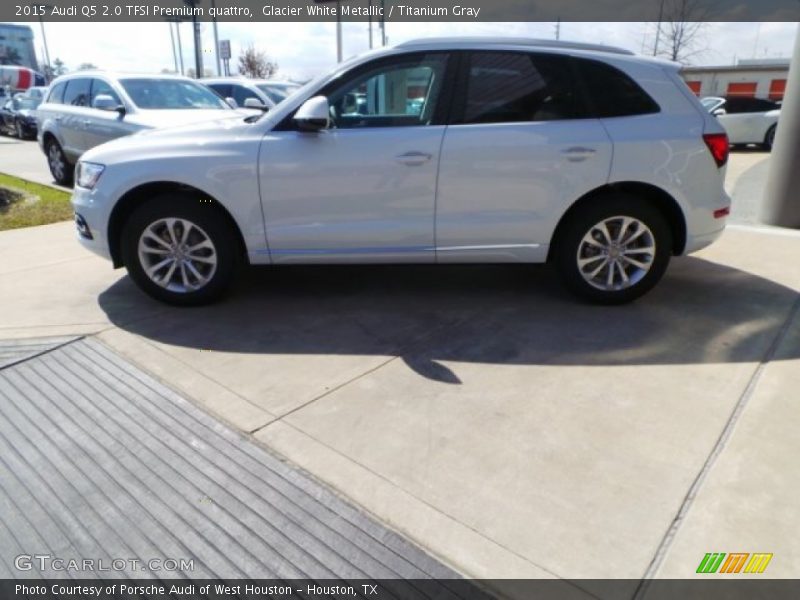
<point x="613" y="250"/>
<point x="180" y="250"/>
<point x="60" y="167"/>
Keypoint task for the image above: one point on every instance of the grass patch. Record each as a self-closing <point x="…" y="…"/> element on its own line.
<point x="25" y="204"/>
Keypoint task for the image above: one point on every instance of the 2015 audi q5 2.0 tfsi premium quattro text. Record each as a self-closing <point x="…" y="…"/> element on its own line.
<point x="434" y="151"/>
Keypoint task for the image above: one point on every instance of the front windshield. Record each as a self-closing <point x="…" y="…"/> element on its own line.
<point x="167" y="94"/>
<point x="277" y="93"/>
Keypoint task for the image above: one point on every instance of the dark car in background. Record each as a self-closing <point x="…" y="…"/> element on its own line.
<point x="18" y="116"/>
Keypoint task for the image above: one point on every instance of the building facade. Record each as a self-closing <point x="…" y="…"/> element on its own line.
<point x="16" y="46"/>
<point x="758" y="78"/>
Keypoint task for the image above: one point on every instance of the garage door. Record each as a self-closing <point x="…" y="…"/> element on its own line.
<point x="694" y="86"/>
<point x="742" y="88"/>
<point x="777" y="87"/>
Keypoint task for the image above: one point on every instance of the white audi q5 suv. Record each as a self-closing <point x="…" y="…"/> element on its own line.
<point x="468" y="150"/>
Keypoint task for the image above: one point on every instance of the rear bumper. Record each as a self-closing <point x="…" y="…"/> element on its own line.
<point x="698" y="242"/>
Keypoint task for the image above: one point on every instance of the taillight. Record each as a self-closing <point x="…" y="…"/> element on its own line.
<point x="718" y="146"/>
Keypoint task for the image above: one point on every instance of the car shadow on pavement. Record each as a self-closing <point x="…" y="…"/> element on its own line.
<point x="702" y="312"/>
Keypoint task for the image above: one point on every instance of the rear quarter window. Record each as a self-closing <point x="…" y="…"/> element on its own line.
<point x="612" y="93"/>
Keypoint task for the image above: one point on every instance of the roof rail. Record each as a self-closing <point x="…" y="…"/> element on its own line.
<point x="540" y="43"/>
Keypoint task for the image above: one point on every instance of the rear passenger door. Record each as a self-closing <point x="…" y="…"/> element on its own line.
<point x="520" y="148"/>
<point x="72" y="115"/>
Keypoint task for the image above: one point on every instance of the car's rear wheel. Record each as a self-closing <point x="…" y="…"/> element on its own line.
<point x="613" y="250"/>
<point x="180" y="250"/>
<point x="769" y="139"/>
<point x="60" y="167"/>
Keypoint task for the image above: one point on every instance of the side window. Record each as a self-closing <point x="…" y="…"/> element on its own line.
<point x="56" y="95"/>
<point x="506" y="87"/>
<point x="241" y="93"/>
<point x="612" y="93"/>
<point x="77" y="92"/>
<point x="102" y="88"/>
<point x="401" y="94"/>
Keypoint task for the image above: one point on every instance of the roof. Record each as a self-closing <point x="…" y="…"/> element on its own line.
<point x="449" y="42"/>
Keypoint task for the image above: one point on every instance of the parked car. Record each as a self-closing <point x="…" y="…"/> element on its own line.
<point x="85" y="109"/>
<point x="38" y="92"/>
<point x="17" y="116"/>
<point x="599" y="161"/>
<point x="252" y="93"/>
<point x="746" y="120"/>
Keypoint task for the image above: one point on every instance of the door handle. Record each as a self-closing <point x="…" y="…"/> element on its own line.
<point x="578" y="153"/>
<point x="414" y="159"/>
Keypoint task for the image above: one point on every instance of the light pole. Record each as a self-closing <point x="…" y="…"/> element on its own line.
<point x="781" y="202"/>
<point x="46" y="51"/>
<point x="216" y="38"/>
<point x="658" y="28"/>
<point x="338" y="30"/>
<point x="172" y="45"/>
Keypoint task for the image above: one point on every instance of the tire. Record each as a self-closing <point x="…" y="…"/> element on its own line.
<point x="583" y="239"/>
<point x="60" y="168"/>
<point x="769" y="139"/>
<point x="18" y="130"/>
<point x="208" y="270"/>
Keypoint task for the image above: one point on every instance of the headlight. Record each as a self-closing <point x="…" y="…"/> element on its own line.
<point x="87" y="174"/>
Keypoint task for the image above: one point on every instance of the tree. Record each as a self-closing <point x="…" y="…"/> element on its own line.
<point x="57" y="69"/>
<point x="255" y="64"/>
<point x="680" y="31"/>
<point x="87" y="67"/>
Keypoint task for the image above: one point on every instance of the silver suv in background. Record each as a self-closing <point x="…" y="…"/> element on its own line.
<point x="85" y="109"/>
<point x="252" y="93"/>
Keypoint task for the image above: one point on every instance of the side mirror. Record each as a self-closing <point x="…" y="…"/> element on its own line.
<point x="255" y="103"/>
<point x="718" y="112"/>
<point x="106" y="102"/>
<point x="314" y="114"/>
<point x="231" y="102"/>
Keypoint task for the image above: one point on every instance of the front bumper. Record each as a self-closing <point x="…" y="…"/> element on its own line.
<point x="91" y="220"/>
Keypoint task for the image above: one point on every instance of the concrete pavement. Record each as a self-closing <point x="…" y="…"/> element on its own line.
<point x="481" y="411"/>
<point x="23" y="158"/>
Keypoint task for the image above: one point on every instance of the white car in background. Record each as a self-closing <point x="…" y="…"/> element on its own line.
<point x="264" y="94"/>
<point x="88" y="108"/>
<point x="464" y="150"/>
<point x="746" y="120"/>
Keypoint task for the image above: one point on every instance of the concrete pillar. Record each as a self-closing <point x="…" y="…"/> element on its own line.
<point x="782" y="199"/>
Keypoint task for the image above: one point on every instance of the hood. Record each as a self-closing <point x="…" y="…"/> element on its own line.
<point x="195" y="138"/>
<point x="152" y="119"/>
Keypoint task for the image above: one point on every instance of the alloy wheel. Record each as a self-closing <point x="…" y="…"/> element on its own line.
<point x="616" y="253"/>
<point x="177" y="255"/>
<point x="56" y="160"/>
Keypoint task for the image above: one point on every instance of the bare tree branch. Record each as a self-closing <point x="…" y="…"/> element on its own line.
<point x="255" y="64"/>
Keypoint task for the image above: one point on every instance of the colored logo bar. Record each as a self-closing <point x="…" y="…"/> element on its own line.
<point x="735" y="562"/>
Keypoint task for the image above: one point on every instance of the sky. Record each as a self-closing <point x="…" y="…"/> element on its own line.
<point x="304" y="50"/>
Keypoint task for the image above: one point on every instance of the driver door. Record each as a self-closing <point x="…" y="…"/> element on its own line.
<point x="363" y="190"/>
